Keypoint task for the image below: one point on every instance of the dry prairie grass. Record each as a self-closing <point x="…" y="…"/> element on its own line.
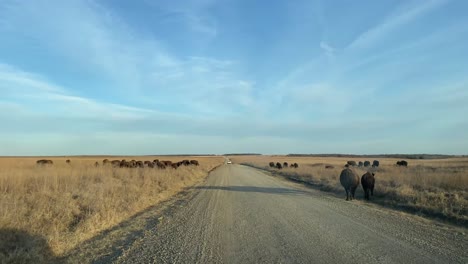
<point x="68" y="204"/>
<point x="431" y="187"/>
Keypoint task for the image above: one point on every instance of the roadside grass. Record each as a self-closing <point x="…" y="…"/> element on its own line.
<point x="65" y="204"/>
<point x="434" y="188"/>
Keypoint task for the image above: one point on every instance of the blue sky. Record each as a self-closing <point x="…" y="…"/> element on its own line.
<point x="167" y="77"/>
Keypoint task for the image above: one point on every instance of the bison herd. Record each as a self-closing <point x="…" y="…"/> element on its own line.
<point x="163" y="164"/>
<point x="375" y="163"/>
<point x="366" y="163"/>
<point x="280" y="165"/>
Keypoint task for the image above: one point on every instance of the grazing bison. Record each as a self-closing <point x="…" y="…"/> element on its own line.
<point x="44" y="162"/>
<point x="105" y="162"/>
<point x="96" y="164"/>
<point x="350" y="181"/>
<point x="272" y="164"/>
<point x="186" y="162"/>
<point x="279" y="166"/>
<point x="161" y="165"/>
<point x="366" y="163"/>
<point x="368" y="182"/>
<point x="167" y="163"/>
<point x="175" y="166"/>
<point x="360" y="164"/>
<point x="285" y="164"/>
<point x="351" y="163"/>
<point x="139" y="164"/>
<point x="295" y="165"/>
<point x="194" y="162"/>
<point x="68" y="161"/>
<point x="115" y="163"/>
<point x="375" y="163"/>
<point x="403" y="163"/>
<point x="329" y="167"/>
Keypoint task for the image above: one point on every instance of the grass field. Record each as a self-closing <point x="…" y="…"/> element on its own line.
<point x="55" y="208"/>
<point x="437" y="188"/>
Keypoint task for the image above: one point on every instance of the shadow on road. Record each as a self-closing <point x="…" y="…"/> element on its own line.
<point x="272" y="190"/>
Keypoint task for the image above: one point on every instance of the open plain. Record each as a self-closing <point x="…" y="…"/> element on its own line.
<point x="231" y="213"/>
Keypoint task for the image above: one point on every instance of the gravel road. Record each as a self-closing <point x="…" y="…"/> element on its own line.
<point x="242" y="215"/>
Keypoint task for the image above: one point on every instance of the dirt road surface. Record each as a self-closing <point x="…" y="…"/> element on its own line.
<point x="242" y="215"/>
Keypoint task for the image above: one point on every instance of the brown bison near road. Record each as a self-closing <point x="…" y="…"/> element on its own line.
<point x="44" y="162"/>
<point x="403" y="163"/>
<point x="272" y="164"/>
<point x="351" y="163"/>
<point x="279" y="166"/>
<point x="285" y="164"/>
<point x="296" y="165"/>
<point x="194" y="162"/>
<point x="360" y="164"/>
<point x="366" y="163"/>
<point x="68" y="161"/>
<point x="368" y="182"/>
<point x="350" y="181"/>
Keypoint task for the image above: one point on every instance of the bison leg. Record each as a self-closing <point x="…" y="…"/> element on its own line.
<point x="366" y="194"/>
<point x="353" y="191"/>
<point x="347" y="194"/>
<point x="372" y="190"/>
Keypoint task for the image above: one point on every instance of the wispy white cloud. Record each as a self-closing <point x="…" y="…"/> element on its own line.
<point x="404" y="15"/>
<point x="192" y="13"/>
<point x="95" y="39"/>
<point x="329" y="50"/>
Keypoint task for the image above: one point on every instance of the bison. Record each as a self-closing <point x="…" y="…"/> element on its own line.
<point x="351" y="163"/>
<point x="329" y="167"/>
<point x="296" y="165"/>
<point x="186" y="162"/>
<point x="105" y="162"/>
<point x="375" y="163"/>
<point x="167" y="163"/>
<point x="272" y="164"/>
<point x="115" y="163"/>
<point x="279" y="166"/>
<point x="368" y="182"/>
<point x="139" y="164"/>
<point x="44" y="162"/>
<point x="350" y="181"/>
<point x="285" y="164"/>
<point x="195" y="162"/>
<point x="366" y="163"/>
<point x="403" y="163"/>
<point x="68" y="161"/>
<point x="161" y="165"/>
<point x="175" y="166"/>
<point x="360" y="164"/>
<point x="96" y="164"/>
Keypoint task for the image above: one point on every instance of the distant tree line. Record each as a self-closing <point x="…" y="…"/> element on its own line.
<point x="396" y="156"/>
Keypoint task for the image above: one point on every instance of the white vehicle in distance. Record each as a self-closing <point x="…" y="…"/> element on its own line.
<point x="229" y="162"/>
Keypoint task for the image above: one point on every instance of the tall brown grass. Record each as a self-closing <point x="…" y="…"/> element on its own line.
<point x="431" y="187"/>
<point x="67" y="204"/>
